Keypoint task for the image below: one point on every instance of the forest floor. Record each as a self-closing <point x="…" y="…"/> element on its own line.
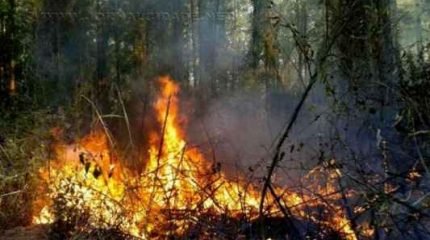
<point x="34" y="232"/>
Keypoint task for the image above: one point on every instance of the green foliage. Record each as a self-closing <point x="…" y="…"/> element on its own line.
<point x="24" y="147"/>
<point x="414" y="89"/>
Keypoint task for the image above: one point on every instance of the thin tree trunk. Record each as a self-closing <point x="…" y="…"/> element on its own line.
<point x="419" y="30"/>
<point x="2" y="57"/>
<point x="388" y="67"/>
<point x="302" y="23"/>
<point x="101" y="85"/>
<point x="264" y="42"/>
<point x="11" y="30"/>
<point x="177" y="43"/>
<point x="195" y="80"/>
<point x="234" y="79"/>
<point x="207" y="41"/>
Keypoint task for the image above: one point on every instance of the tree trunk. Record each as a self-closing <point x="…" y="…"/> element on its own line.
<point x="194" y="61"/>
<point x="11" y="60"/>
<point x="419" y="30"/>
<point x="354" y="42"/>
<point x="101" y="81"/>
<point x="207" y="43"/>
<point x="177" y="42"/>
<point x="302" y="23"/>
<point x="264" y="42"/>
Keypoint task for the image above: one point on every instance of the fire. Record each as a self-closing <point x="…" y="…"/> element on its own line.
<point x="88" y="180"/>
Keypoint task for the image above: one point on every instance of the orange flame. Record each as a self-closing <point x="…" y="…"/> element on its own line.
<point x="176" y="178"/>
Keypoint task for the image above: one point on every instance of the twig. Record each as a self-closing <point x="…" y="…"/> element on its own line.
<point x="100" y="117"/>
<point x="160" y="148"/>
<point x="323" y="54"/>
<point x="421" y="132"/>
<point x="127" y="122"/>
<point x="278" y="153"/>
<point x="160" y="151"/>
<point x="349" y="211"/>
<point x="287" y="214"/>
<point x="421" y="157"/>
<point x="11" y="193"/>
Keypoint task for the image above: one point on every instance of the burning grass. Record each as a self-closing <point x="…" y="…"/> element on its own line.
<point x="86" y="191"/>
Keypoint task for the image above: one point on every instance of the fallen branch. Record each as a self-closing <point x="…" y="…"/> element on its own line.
<point x="11" y="193"/>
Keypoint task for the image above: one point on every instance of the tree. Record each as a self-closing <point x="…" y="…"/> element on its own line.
<point x="264" y="41"/>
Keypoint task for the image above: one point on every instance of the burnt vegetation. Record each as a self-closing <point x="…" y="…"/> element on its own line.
<point x="213" y="119"/>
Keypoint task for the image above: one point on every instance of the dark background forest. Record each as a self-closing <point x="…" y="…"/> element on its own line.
<point x="319" y="79"/>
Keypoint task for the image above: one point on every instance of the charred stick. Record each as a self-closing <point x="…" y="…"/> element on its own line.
<point x="321" y="59"/>
<point x="160" y="148"/>
<point x="278" y="152"/>
<point x="287" y="214"/>
<point x="349" y="211"/>
<point x="176" y="174"/>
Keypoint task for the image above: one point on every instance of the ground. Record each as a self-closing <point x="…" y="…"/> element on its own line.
<point x="37" y="232"/>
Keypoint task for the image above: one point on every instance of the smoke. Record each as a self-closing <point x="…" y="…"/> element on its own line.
<point x="236" y="130"/>
<point x="240" y="132"/>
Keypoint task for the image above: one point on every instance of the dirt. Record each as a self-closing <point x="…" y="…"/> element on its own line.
<point x="36" y="232"/>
